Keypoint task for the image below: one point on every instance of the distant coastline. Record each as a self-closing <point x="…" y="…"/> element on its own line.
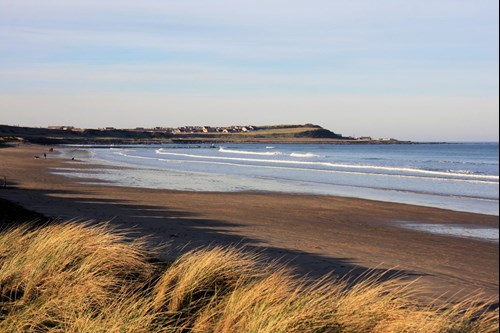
<point x="276" y="134"/>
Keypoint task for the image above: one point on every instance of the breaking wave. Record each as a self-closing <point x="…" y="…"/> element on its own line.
<point x="396" y="171"/>
<point x="242" y="152"/>
<point x="306" y="155"/>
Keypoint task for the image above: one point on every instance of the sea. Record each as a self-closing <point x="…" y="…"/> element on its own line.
<point x="456" y="176"/>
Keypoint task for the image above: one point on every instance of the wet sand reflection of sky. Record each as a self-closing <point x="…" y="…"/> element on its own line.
<point x="455" y="230"/>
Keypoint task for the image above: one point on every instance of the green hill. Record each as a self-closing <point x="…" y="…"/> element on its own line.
<point x="279" y="133"/>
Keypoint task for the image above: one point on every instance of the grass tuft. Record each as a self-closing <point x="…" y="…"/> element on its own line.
<point x="75" y="277"/>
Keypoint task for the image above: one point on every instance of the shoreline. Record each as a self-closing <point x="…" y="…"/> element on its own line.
<point x="201" y="140"/>
<point x="133" y="174"/>
<point x="315" y="234"/>
<point x="92" y="181"/>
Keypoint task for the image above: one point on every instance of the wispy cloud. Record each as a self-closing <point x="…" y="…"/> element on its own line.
<point x="182" y="77"/>
<point x="319" y="50"/>
<point x="279" y="30"/>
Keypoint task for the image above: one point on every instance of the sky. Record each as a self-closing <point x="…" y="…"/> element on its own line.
<point x="413" y="69"/>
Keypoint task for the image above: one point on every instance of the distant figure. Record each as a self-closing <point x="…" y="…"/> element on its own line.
<point x="72" y="158"/>
<point x="44" y="155"/>
<point x="51" y="150"/>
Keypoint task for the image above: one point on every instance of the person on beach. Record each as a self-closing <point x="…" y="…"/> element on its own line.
<point x="44" y="155"/>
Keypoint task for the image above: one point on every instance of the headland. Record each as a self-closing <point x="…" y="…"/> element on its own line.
<point x="285" y="134"/>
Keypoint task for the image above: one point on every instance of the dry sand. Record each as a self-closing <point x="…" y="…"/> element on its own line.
<point x="314" y="234"/>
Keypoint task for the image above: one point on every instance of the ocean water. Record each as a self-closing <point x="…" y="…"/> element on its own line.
<point x="458" y="176"/>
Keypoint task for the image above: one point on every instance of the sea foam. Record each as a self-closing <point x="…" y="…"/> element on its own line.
<point x="306" y="155"/>
<point x="243" y="152"/>
<point x="397" y="171"/>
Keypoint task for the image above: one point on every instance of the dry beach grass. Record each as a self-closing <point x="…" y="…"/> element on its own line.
<point x="74" y="277"/>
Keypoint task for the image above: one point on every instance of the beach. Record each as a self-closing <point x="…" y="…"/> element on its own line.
<point x="316" y="234"/>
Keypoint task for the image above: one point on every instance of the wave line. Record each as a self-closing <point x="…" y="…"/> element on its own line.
<point x="447" y="175"/>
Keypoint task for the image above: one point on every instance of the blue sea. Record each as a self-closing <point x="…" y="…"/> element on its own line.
<point x="457" y="176"/>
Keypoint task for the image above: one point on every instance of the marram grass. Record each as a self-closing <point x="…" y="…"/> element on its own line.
<point x="75" y="277"/>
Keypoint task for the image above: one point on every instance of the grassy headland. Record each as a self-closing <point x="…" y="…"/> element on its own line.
<point x="75" y="277"/>
<point x="239" y="134"/>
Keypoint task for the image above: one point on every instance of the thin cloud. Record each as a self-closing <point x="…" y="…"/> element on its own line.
<point x="441" y="57"/>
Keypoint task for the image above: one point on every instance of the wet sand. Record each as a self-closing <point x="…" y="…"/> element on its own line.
<point x="314" y="234"/>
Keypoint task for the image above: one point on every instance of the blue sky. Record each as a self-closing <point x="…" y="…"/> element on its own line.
<point x="419" y="70"/>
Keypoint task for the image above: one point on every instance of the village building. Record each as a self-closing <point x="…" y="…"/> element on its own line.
<point x="64" y="128"/>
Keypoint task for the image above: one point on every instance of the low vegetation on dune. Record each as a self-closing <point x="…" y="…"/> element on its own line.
<point x="75" y="277"/>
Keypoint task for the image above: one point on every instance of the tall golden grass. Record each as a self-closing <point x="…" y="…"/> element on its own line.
<point x="75" y="277"/>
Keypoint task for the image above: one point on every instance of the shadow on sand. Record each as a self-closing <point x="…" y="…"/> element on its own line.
<point x="181" y="230"/>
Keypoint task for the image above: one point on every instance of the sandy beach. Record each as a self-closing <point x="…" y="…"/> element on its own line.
<point x="315" y="234"/>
